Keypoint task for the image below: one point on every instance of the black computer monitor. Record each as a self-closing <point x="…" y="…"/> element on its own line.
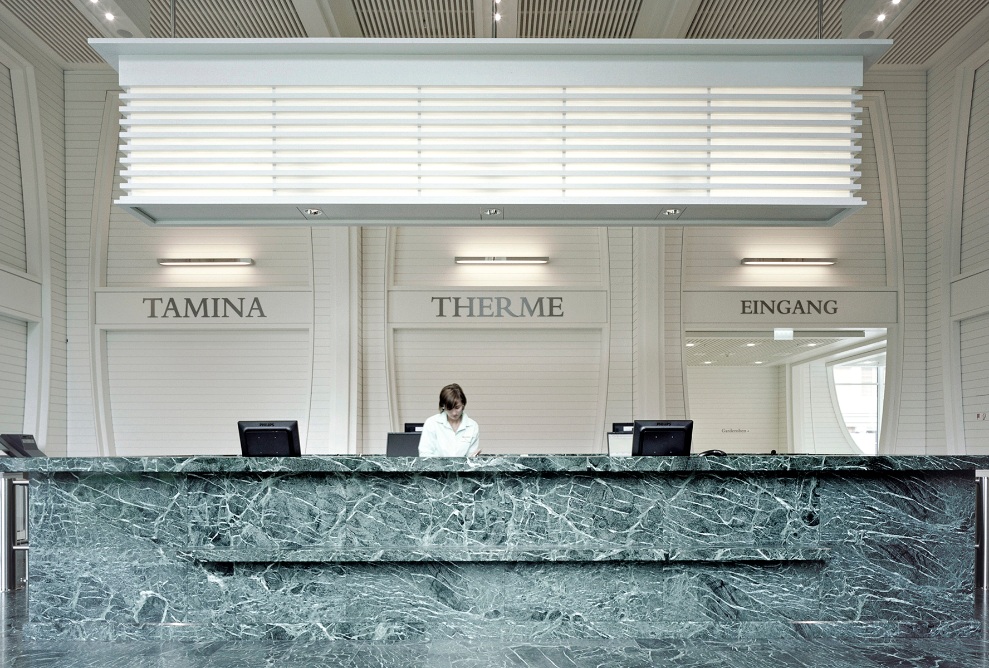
<point x="622" y="427"/>
<point x="270" y="438"/>
<point x="20" y="445"/>
<point x="402" y="444"/>
<point x="661" y="437"/>
<point x="413" y="426"/>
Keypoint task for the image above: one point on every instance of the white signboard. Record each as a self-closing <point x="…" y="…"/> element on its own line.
<point x="797" y="307"/>
<point x="171" y="308"/>
<point x="528" y="308"/>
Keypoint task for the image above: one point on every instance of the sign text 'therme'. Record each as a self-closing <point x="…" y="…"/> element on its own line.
<point x="498" y="307"/>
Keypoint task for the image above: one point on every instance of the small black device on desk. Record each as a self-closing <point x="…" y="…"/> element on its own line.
<point x="661" y="437"/>
<point x="273" y="438"/>
<point x="20" y="445"/>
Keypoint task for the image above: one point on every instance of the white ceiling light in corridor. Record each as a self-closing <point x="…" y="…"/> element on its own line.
<point x="442" y="131"/>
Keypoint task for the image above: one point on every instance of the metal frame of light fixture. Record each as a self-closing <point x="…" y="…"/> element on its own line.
<point x="205" y="261"/>
<point x="495" y="259"/>
<point x="789" y="261"/>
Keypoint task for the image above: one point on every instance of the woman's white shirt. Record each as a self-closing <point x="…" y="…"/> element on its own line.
<point x="440" y="440"/>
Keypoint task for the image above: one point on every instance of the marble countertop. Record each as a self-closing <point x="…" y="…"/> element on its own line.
<point x="493" y="464"/>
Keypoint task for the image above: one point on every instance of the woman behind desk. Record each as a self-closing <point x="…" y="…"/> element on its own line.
<point x="450" y="433"/>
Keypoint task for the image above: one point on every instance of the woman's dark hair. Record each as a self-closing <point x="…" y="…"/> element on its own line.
<point x="451" y="395"/>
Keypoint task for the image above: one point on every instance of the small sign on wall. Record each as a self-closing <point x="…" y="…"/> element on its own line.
<point x="502" y="308"/>
<point x="203" y="307"/>
<point x="811" y="307"/>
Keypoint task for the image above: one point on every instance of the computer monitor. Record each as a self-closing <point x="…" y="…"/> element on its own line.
<point x="661" y="437"/>
<point x="622" y="427"/>
<point x="402" y="444"/>
<point x="270" y="438"/>
<point x="413" y="426"/>
<point x="20" y="445"/>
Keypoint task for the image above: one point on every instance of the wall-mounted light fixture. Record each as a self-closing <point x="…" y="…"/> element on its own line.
<point x="205" y="261"/>
<point x="494" y="259"/>
<point x="790" y="261"/>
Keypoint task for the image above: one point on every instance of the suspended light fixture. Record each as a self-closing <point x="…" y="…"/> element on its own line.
<point x="676" y="132"/>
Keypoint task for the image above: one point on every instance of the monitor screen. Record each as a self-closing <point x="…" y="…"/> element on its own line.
<point x="402" y="444"/>
<point x="661" y="437"/>
<point x="413" y="426"/>
<point x="270" y="438"/>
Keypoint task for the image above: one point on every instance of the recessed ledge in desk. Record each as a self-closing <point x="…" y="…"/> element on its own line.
<point x="503" y="553"/>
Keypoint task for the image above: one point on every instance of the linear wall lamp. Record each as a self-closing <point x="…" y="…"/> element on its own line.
<point x="790" y="261"/>
<point x="493" y="259"/>
<point x="205" y="261"/>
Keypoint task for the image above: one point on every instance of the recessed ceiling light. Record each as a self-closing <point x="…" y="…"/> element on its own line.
<point x="757" y="362"/>
<point x="811" y="345"/>
<point x="708" y="362"/>
<point x="109" y="16"/>
<point x="881" y="17"/>
<point x="691" y="345"/>
<point x="749" y="345"/>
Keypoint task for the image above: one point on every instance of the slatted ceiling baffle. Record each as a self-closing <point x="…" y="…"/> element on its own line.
<point x="59" y="25"/>
<point x="415" y="18"/>
<point x="227" y="19"/>
<point x="764" y="19"/>
<point x="581" y="19"/>
<point x="927" y="28"/>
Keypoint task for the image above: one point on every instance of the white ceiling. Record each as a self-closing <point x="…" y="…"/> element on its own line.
<point x="919" y="28"/>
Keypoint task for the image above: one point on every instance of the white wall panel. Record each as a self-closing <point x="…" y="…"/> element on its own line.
<point x="85" y="102"/>
<point x="42" y="160"/>
<point x="712" y="255"/>
<point x="13" y="250"/>
<point x="975" y="200"/>
<point x="13" y="374"/>
<point x="675" y="372"/>
<point x="374" y="418"/>
<point x="975" y="383"/>
<point x="905" y="95"/>
<point x="735" y="409"/>
<point x="530" y="390"/>
<point x="182" y="393"/>
<point x="818" y="425"/>
<point x="942" y="151"/>
<point x="619" y="407"/>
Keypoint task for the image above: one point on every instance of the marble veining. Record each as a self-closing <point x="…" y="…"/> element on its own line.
<point x="163" y="550"/>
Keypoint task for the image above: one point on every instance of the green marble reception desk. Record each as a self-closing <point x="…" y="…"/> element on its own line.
<point x="555" y="547"/>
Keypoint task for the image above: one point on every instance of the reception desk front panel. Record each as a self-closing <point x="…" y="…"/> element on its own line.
<point x="369" y="548"/>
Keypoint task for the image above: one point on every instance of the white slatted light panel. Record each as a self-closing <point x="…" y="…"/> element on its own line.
<point x="506" y="130"/>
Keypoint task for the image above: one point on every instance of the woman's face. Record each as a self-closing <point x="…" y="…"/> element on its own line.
<point x="455" y="412"/>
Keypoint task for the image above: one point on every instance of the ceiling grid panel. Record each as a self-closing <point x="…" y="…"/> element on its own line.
<point x="764" y="19"/>
<point x="57" y="23"/>
<point x="927" y="28"/>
